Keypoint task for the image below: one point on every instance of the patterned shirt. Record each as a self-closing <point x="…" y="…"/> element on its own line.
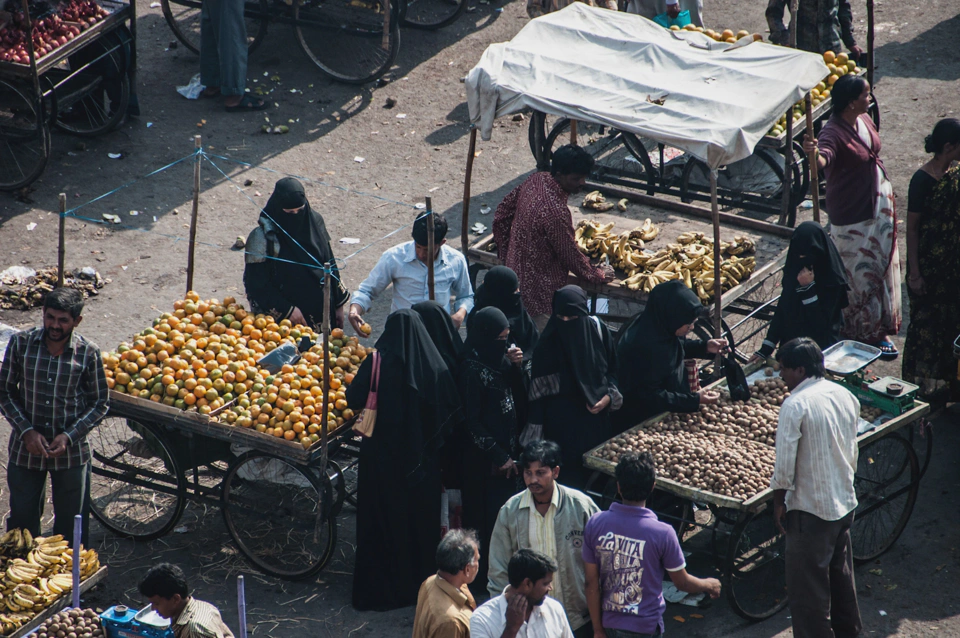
<point x="533" y="229"/>
<point x="200" y="620"/>
<point x="66" y="394"/>
<point x="537" y="8"/>
<point x="821" y="24"/>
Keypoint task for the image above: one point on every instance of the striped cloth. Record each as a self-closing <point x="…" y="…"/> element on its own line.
<point x="200" y="620"/>
<point x="541" y="533"/>
<point x="66" y="394"/>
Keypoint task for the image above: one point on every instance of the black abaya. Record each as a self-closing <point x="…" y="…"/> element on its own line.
<point x="440" y="327"/>
<point x="500" y="289"/>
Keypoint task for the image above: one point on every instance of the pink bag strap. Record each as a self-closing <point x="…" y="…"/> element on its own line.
<point x="374" y="382"/>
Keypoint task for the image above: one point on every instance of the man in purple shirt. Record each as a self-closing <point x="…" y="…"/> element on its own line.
<point x="625" y="552"/>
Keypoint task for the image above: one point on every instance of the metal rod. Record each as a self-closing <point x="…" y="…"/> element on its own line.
<point x="717" y="258"/>
<point x="431" y="247"/>
<point x="573" y="132"/>
<point x="77" y="556"/>
<point x="870" y="36"/>
<point x="61" y="246"/>
<point x="33" y="59"/>
<point x="788" y="138"/>
<point x="192" y="246"/>
<point x="241" y="607"/>
<point x="465" y="219"/>
<point x="812" y="161"/>
<point x="327" y="368"/>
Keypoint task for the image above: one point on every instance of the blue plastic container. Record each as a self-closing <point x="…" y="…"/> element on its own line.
<point x="123" y="622"/>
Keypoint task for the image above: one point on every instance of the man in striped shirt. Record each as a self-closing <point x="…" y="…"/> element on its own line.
<point x="53" y="392"/>
<point x="165" y="586"/>
<point x="814" y="497"/>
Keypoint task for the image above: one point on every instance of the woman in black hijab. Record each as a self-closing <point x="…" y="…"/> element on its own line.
<point x="490" y="386"/>
<point x="574" y="385"/>
<point x="652" y="350"/>
<point x="501" y="289"/>
<point x="398" y="517"/>
<point x="814" y="292"/>
<point x="283" y="275"/>
<point x="444" y="334"/>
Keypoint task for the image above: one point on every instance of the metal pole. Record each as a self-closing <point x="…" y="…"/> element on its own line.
<point x="717" y="258"/>
<point x="61" y="247"/>
<point x="788" y="137"/>
<point x="241" y="607"/>
<point x="870" y="35"/>
<point x="33" y="60"/>
<point x="573" y="132"/>
<point x="465" y="219"/>
<point x="77" y="555"/>
<point x="191" y="248"/>
<point x="814" y="168"/>
<point x="327" y="368"/>
<point x="431" y="247"/>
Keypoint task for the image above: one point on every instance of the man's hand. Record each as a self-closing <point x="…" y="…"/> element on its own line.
<point x="516" y="614"/>
<point x="608" y="272"/>
<point x="805" y="277"/>
<point x="338" y="317"/>
<point x="36" y="443"/>
<point x="59" y="445"/>
<point x="296" y="317"/>
<point x="716" y="346"/>
<point x="711" y="587"/>
<point x="599" y="632"/>
<point x="708" y="396"/>
<point x="458" y="317"/>
<point x="600" y="406"/>
<point x="779" y="514"/>
<point x="756" y="358"/>
<point x="515" y="355"/>
<point x="356" y="320"/>
<point x="856" y="53"/>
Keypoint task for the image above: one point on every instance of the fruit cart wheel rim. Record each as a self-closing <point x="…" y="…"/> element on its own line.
<point x="255" y="13"/>
<point x="24" y="144"/>
<point x="756" y="545"/>
<point x="452" y="10"/>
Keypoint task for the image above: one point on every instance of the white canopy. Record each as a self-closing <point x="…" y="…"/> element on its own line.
<point x="612" y="68"/>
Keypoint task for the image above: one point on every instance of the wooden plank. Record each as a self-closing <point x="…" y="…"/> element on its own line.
<point x="920" y="409"/>
<point x="59" y="604"/>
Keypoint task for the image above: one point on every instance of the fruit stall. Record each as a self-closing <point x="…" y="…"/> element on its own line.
<point x="67" y="65"/>
<point x="219" y="405"/>
<point x="714" y="468"/>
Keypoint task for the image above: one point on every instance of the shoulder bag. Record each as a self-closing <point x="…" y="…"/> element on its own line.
<point x="368" y="416"/>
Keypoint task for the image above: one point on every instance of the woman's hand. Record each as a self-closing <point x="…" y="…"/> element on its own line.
<point x="708" y="397"/>
<point x="756" y="358"/>
<point x="600" y="406"/>
<point x="809" y="144"/>
<point x="515" y="355"/>
<point x="296" y="317"/>
<point x="917" y="284"/>
<point x="717" y="346"/>
<point x="509" y="468"/>
<point x="805" y="277"/>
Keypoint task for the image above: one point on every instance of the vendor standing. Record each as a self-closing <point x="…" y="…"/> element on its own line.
<point x="533" y="229"/>
<point x="285" y="253"/>
<point x="652" y="352"/>
<point x="822" y="25"/>
<point x="672" y="8"/>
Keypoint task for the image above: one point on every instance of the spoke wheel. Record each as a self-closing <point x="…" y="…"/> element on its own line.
<point x="756" y="582"/>
<point x="183" y="18"/>
<point x="136" y="487"/>
<point x="24" y="137"/>
<point x="352" y="41"/>
<point x="751" y="183"/>
<point x="94" y="101"/>
<point x="431" y="14"/>
<point x="617" y="161"/>
<point x="280" y="515"/>
<point x="886" y="482"/>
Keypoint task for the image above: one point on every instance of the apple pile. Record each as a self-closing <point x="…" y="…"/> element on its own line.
<point x="48" y="33"/>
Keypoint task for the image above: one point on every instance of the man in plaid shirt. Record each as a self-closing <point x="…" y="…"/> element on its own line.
<point x="53" y="392"/>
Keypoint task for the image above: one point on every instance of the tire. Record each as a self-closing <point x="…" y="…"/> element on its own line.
<point x="744" y="184"/>
<point x="24" y="137"/>
<point x="349" y="40"/>
<point x="616" y="160"/>
<point x="755" y="574"/>
<point x="431" y="15"/>
<point x="183" y="18"/>
<point x="886" y="482"/>
<point x="136" y="487"/>
<point x="94" y="101"/>
<point x="280" y="515"/>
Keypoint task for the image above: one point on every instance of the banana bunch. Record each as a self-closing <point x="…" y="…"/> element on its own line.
<point x="625" y="250"/>
<point x="16" y="543"/>
<point x="49" y="553"/>
<point x="595" y="200"/>
<point x="649" y="230"/>
<point x="11" y="622"/>
<point x="89" y="562"/>
<point x="739" y="246"/>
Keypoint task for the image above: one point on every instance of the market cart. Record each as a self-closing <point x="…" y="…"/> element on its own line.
<point x="81" y="84"/>
<point x="739" y="534"/>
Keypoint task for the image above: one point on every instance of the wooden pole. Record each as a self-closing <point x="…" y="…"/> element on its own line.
<point x="717" y="259"/>
<point x="191" y="249"/>
<point x="465" y="219"/>
<point x="870" y="36"/>
<point x="61" y="247"/>
<point x="573" y="132"/>
<point x="431" y="247"/>
<point x="788" y="138"/>
<point x="814" y="168"/>
<point x="327" y="368"/>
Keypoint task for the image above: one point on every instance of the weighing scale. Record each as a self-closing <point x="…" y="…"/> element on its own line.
<point x="846" y="362"/>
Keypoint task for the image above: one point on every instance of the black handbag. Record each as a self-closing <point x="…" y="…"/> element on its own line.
<point x="736" y="380"/>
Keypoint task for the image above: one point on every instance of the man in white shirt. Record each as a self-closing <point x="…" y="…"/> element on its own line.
<point x="814" y="497"/>
<point x="405" y="266"/>
<point x="523" y="610"/>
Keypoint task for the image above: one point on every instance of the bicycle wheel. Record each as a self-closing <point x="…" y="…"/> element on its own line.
<point x="280" y="515"/>
<point x="183" y="17"/>
<point x="24" y="138"/>
<point x="136" y="488"/>
<point x="94" y="101"/>
<point x="756" y="575"/>
<point x="615" y="161"/>
<point x="431" y="15"/>
<point x="753" y="182"/>
<point x="353" y="41"/>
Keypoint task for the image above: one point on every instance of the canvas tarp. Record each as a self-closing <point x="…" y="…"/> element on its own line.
<point x="612" y="68"/>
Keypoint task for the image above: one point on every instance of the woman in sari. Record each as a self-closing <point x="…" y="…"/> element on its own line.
<point x="862" y="215"/>
<point x="933" y="267"/>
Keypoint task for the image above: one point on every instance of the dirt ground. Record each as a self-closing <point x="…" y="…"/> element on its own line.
<point x="404" y="159"/>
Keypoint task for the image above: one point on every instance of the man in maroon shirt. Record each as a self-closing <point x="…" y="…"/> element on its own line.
<point x="533" y="229"/>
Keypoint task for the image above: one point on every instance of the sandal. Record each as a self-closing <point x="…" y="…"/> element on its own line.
<point x="210" y="92"/>
<point x="248" y="103"/>
<point x="888" y="351"/>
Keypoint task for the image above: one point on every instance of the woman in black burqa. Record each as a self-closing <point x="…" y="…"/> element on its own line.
<point x="501" y="289"/>
<point x="814" y="292"/>
<point x="652" y="350"/>
<point x="442" y="332"/>
<point x="398" y="516"/>
<point x="284" y="254"/>
<point x="574" y="385"/>
<point x="490" y="387"/>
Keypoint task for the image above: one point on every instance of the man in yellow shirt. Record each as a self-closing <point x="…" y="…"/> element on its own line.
<point x="165" y="587"/>
<point x="444" y="604"/>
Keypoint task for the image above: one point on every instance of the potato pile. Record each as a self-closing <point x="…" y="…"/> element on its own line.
<point x="726" y="448"/>
<point x="73" y="623"/>
<point x="870" y="414"/>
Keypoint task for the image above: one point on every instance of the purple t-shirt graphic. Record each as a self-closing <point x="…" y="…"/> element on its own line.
<point x="632" y="549"/>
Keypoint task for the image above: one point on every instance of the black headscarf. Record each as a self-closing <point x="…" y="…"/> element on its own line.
<point x="482" y="336"/>
<point x="303" y="235"/>
<point x="652" y="337"/>
<point x="405" y="338"/>
<point x="440" y="327"/>
<point x="818" y="251"/>
<point x="574" y="346"/>
<point x="500" y="290"/>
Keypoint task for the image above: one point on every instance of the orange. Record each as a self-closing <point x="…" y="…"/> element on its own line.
<point x="289" y="435"/>
<point x="829" y="57"/>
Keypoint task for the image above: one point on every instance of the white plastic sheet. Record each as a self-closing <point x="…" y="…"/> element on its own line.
<point x="597" y="65"/>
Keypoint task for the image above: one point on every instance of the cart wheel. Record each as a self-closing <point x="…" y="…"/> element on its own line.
<point x="602" y="488"/>
<point x="350" y="40"/>
<point x="755" y="181"/>
<point x="183" y="17"/>
<point x="431" y="15"/>
<point x="24" y="137"/>
<point x="874" y="110"/>
<point x="886" y="482"/>
<point x="280" y="515"/>
<point x="94" y="101"/>
<point x="920" y="435"/>
<point x="615" y="163"/>
<point x="755" y="574"/>
<point x="136" y="488"/>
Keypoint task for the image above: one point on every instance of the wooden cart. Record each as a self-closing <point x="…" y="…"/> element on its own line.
<point x="741" y="537"/>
